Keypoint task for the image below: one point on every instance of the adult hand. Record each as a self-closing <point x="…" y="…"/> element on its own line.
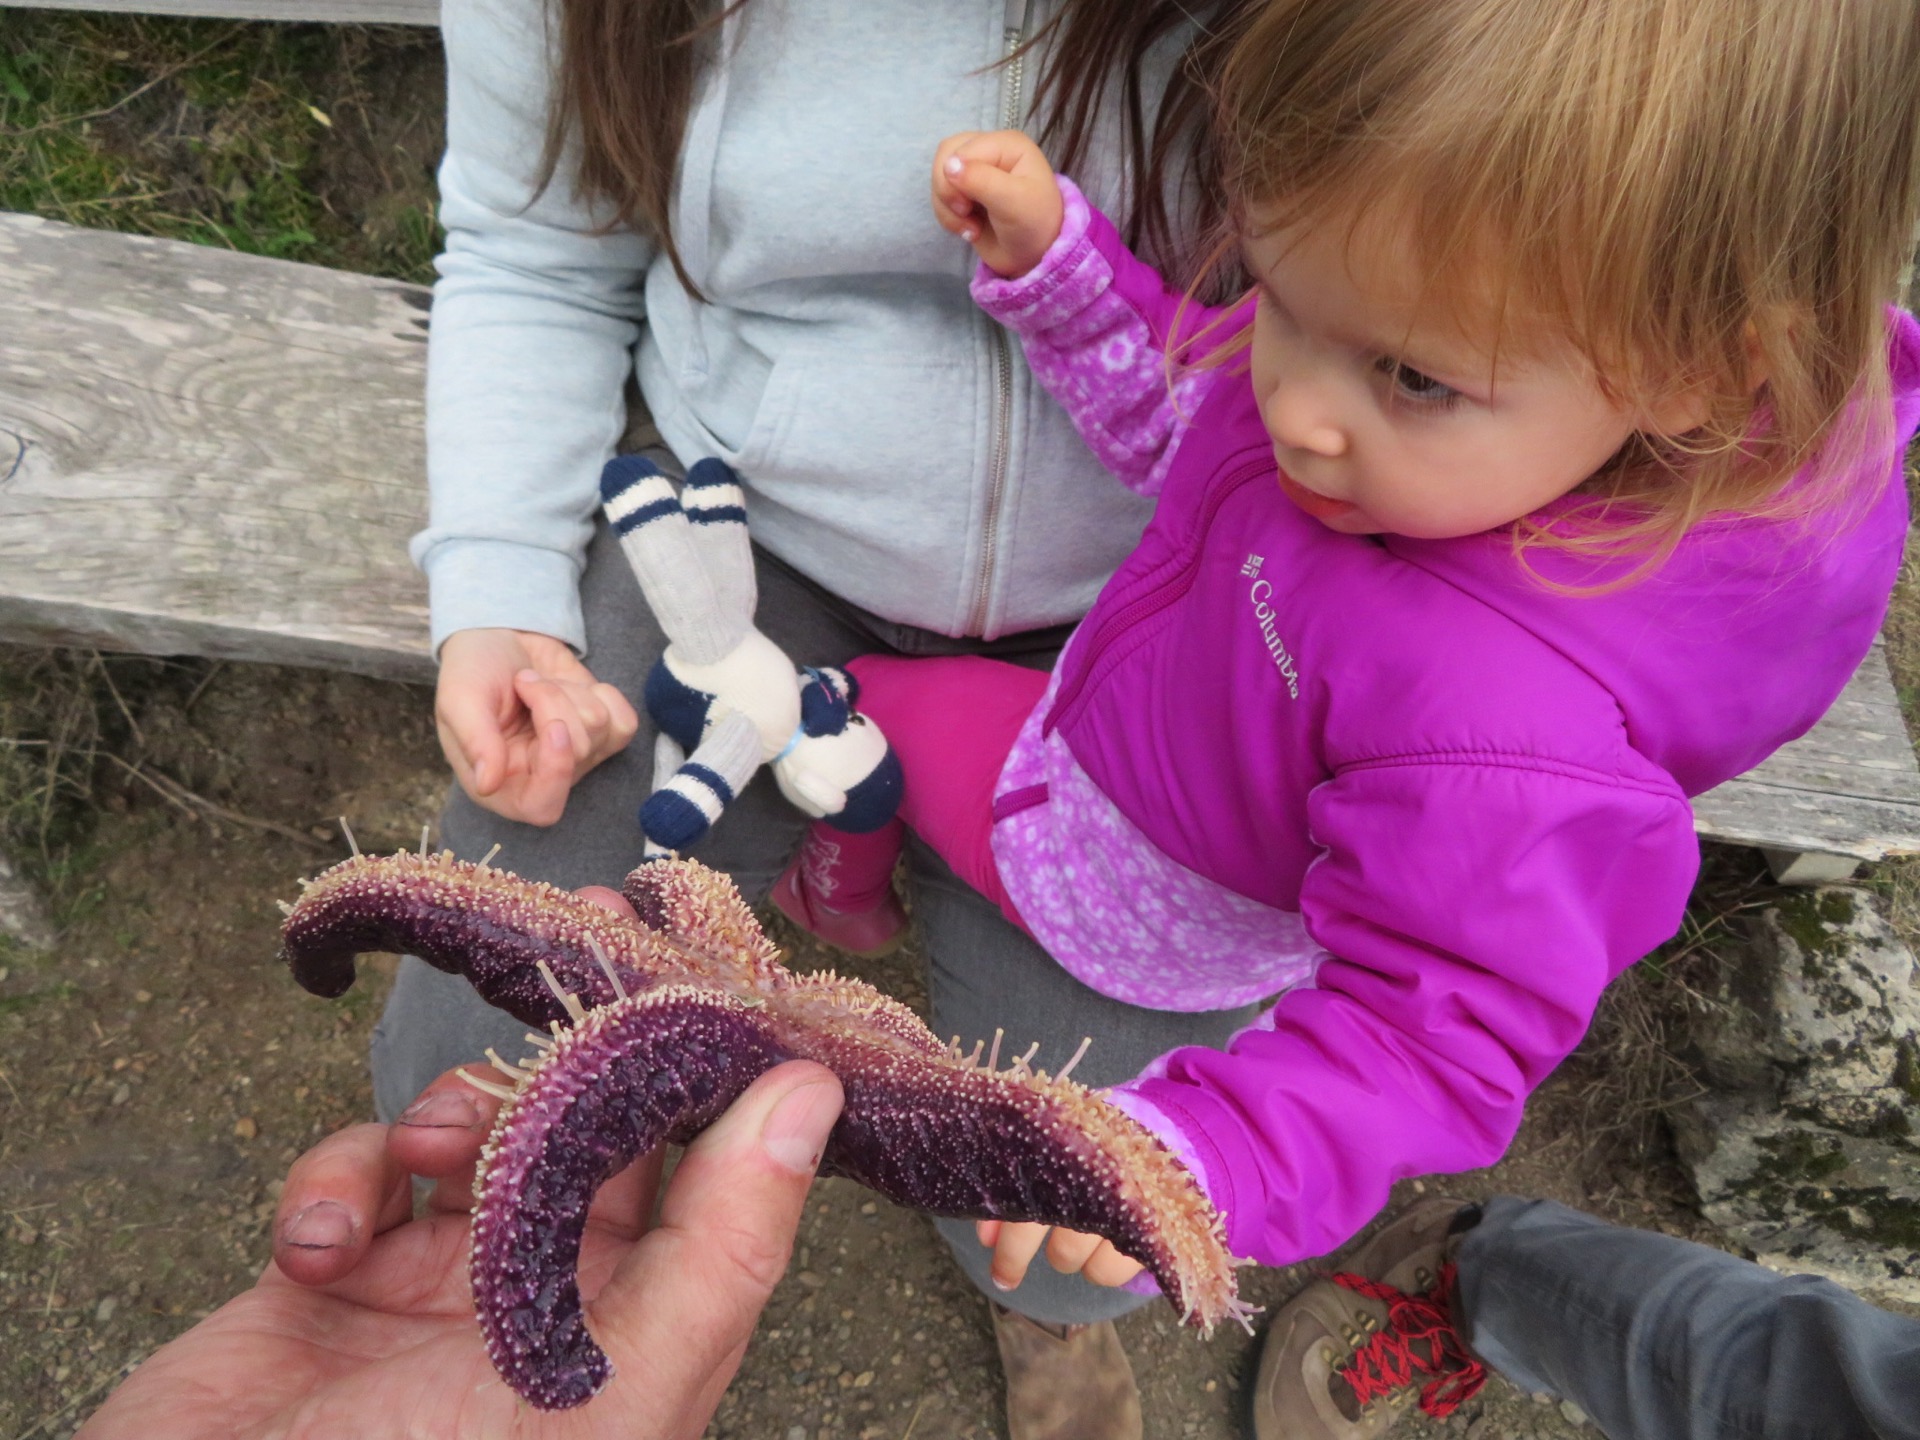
<point x="997" y="192"/>
<point x="521" y="719"/>
<point x="364" y="1323"/>
<point x="1015" y="1243"/>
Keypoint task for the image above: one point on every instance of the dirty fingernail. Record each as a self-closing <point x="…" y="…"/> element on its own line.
<point x="323" y="1225"/>
<point x="448" y="1109"/>
<point x="796" y="1132"/>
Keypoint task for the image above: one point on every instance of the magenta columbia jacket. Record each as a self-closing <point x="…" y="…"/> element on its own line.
<point x="1462" y="792"/>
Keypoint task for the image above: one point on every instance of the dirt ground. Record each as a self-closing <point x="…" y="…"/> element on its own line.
<point x="158" y="1071"/>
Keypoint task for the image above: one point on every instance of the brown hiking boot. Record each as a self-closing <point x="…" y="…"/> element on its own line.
<point x="1065" y="1382"/>
<point x="1349" y="1355"/>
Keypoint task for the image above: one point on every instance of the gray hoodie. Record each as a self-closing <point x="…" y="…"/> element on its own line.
<point x="893" y="445"/>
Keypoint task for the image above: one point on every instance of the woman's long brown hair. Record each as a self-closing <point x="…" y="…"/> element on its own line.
<point x="625" y="82"/>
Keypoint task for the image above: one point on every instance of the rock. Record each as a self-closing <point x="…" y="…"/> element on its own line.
<point x="23" y="914"/>
<point x="1805" y="1153"/>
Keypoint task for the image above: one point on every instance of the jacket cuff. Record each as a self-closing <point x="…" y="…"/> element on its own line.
<point x="1174" y="1129"/>
<point x="1068" y="277"/>
<point x="496" y="584"/>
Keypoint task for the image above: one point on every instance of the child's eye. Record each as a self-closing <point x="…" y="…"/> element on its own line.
<point x="1416" y="385"/>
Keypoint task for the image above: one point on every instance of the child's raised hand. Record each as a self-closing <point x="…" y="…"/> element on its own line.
<point x="1015" y="1243"/>
<point x="997" y="192"/>
<point x="521" y="719"/>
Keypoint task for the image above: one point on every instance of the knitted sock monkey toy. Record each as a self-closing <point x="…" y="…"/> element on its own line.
<point x="725" y="698"/>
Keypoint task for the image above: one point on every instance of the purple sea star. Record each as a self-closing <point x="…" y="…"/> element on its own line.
<point x="673" y="1018"/>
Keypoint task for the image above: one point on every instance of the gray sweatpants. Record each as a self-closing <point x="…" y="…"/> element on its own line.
<point x="1659" y="1339"/>
<point x="984" y="972"/>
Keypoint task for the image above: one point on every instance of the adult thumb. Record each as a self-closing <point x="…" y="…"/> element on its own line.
<point x="675" y="1317"/>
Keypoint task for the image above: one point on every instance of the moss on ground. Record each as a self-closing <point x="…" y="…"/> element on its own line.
<point x="1810" y="919"/>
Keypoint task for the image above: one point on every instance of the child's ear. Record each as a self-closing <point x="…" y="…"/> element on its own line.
<point x="1675" y="414"/>
<point x="1689" y="408"/>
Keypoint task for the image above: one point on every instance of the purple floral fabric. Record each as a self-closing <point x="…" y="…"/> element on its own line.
<point x="1121" y="915"/>
<point x="1093" y="352"/>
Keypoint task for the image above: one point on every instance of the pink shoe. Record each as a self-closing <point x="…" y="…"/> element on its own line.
<point x="867" y="929"/>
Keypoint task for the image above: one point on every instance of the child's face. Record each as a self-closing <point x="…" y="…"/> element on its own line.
<point x="1387" y="417"/>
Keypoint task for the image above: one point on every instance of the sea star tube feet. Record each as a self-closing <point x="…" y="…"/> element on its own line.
<point x="675" y="1017"/>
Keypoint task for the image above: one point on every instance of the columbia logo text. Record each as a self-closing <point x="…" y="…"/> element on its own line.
<point x="1261" y="593"/>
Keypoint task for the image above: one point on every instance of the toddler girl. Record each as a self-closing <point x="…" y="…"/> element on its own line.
<point x="1548" y="473"/>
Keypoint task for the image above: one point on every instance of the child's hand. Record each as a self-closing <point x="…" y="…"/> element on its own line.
<point x="1015" y="1243"/>
<point x="521" y="719"/>
<point x="997" y="192"/>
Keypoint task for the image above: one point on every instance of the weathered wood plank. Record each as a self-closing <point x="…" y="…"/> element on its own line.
<point x="365" y="12"/>
<point x="209" y="453"/>
<point x="1849" y="786"/>
<point x="1860" y="746"/>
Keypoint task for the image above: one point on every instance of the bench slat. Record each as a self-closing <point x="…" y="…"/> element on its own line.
<point x="215" y="454"/>
<point x="1849" y="786"/>
<point x="365" y="12"/>
<point x="209" y="453"/>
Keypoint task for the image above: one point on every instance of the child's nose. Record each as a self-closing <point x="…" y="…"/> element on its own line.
<point x="1299" y="416"/>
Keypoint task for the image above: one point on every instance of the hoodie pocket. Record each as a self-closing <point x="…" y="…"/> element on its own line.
<point x="859" y="442"/>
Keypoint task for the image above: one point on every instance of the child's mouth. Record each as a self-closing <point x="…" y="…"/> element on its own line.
<point x="1320" y="507"/>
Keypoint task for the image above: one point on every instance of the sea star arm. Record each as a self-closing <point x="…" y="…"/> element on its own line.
<point x="676" y="1021"/>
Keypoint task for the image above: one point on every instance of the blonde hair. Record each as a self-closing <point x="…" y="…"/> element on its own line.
<point x="1694" y="193"/>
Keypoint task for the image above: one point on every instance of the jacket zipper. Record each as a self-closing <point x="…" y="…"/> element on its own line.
<point x="1073" y="697"/>
<point x="1014" y="35"/>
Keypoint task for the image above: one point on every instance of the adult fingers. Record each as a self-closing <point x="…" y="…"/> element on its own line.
<point x="552" y="702"/>
<point x="540" y="798"/>
<point x="608" y="898"/>
<point x="1019" y="1242"/>
<point x="471" y="738"/>
<point x="439" y="1135"/>
<point x="338" y="1196"/>
<point x="677" y="1313"/>
<point x="623" y="721"/>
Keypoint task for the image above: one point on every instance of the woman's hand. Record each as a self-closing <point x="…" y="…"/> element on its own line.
<point x="364" y="1323"/>
<point x="1015" y="1243"/>
<point x="521" y="719"/>
<point x="997" y="192"/>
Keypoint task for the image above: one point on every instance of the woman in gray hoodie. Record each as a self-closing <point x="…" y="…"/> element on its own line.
<point x="737" y="220"/>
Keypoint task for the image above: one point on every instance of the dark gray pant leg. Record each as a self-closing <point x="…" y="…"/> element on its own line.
<point x="1659" y="1339"/>
<point x="434" y="1021"/>
<point x="984" y="973"/>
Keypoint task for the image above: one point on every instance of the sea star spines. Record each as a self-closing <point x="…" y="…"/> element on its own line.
<point x="702" y="909"/>
<point x="486" y="924"/>
<point x="656" y="1066"/>
<point x="924" y="1124"/>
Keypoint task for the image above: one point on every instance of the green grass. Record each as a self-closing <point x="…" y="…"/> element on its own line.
<point x="301" y="142"/>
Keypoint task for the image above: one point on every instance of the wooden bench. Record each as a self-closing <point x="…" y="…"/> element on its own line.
<point x="210" y="453"/>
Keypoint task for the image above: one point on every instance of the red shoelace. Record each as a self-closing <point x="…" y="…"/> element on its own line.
<point x="1419" y="1339"/>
